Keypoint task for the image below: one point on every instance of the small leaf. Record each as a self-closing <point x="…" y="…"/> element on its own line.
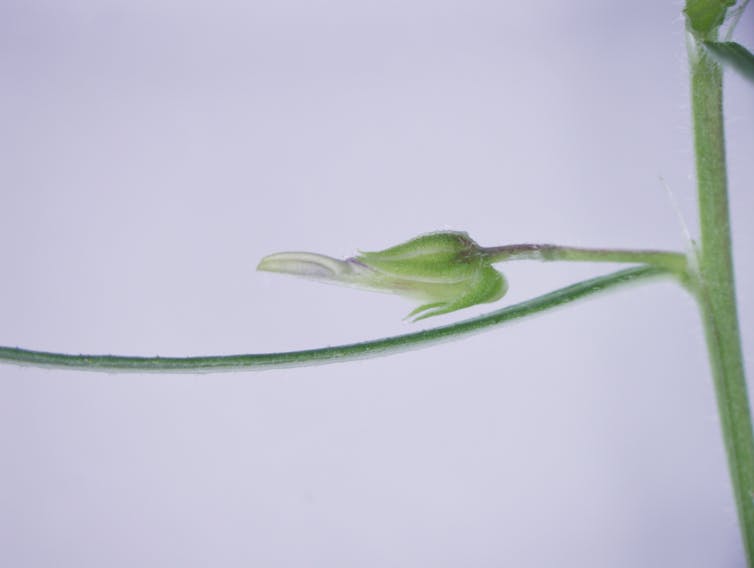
<point x="734" y="55"/>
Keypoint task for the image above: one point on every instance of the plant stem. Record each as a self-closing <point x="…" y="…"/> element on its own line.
<point x="715" y="290"/>
<point x="674" y="262"/>
<point x="336" y="354"/>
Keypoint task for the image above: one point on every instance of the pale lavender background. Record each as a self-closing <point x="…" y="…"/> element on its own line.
<point x="152" y="151"/>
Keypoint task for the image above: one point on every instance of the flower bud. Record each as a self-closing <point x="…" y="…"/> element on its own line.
<point x="445" y="270"/>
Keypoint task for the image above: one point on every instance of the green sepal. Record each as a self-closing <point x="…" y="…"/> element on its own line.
<point x="437" y="257"/>
<point x="489" y="285"/>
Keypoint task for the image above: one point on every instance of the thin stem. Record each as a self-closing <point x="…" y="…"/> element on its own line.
<point x="386" y="346"/>
<point x="674" y="262"/>
<point x="735" y="17"/>
<point x="715" y="291"/>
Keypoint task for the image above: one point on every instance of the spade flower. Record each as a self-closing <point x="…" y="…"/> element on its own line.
<point x="446" y="271"/>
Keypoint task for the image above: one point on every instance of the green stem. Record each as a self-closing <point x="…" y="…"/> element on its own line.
<point x="674" y="262"/>
<point x="715" y="290"/>
<point x="735" y="17"/>
<point x="386" y="346"/>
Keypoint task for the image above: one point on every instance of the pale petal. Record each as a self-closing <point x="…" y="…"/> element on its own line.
<point x="308" y="265"/>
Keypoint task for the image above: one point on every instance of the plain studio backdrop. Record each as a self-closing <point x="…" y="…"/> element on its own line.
<point x="152" y="152"/>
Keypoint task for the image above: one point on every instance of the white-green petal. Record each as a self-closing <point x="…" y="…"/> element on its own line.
<point x="311" y="265"/>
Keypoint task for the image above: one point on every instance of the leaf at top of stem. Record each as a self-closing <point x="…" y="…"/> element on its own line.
<point x="734" y="55"/>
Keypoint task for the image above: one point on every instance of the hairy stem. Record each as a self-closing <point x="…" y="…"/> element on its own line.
<point x="715" y="290"/>
<point x="386" y="346"/>
<point x="671" y="261"/>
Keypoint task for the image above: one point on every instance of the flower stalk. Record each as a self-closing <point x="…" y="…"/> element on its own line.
<point x="673" y="262"/>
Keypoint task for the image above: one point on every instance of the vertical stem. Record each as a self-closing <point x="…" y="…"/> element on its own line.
<point x="716" y="292"/>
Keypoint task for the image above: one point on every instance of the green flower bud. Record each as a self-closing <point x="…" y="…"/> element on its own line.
<point x="447" y="271"/>
<point x="706" y="16"/>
